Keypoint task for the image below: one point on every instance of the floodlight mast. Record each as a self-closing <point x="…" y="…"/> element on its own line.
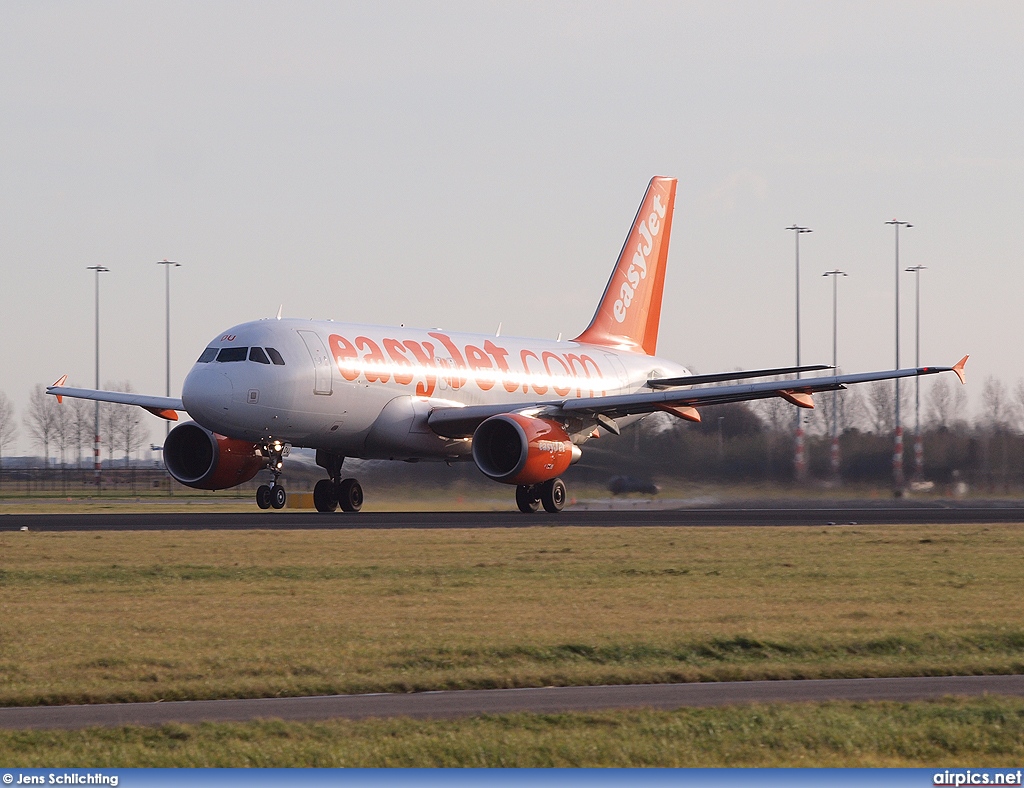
<point x="834" y="456"/>
<point x="167" y="317"/>
<point x="918" y="444"/>
<point x="97" y="461"/>
<point x="799" y="460"/>
<point x="897" y="455"/>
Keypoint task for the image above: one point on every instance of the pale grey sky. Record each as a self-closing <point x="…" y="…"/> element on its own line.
<point x="461" y="164"/>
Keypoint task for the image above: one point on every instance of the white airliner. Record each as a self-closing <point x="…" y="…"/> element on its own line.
<point x="519" y="408"/>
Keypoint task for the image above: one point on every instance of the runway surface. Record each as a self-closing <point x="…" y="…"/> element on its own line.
<point x="464" y="703"/>
<point x="753" y="513"/>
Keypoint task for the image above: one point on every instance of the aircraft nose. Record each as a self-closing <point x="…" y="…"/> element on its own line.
<point x="206" y="393"/>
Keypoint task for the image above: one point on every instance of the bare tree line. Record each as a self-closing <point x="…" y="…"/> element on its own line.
<point x="65" y="429"/>
<point x="8" y="427"/>
<point x="871" y="408"/>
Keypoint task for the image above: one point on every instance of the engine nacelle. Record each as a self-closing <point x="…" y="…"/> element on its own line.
<point x="205" y="460"/>
<point x="517" y="449"/>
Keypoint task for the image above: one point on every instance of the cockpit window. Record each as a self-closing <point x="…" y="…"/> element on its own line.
<point x="232" y="354"/>
<point x="208" y="355"/>
<point x="275" y="356"/>
<point x="256" y="354"/>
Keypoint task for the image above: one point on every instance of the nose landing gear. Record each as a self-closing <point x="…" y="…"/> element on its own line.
<point x="273" y="495"/>
<point x="329" y="494"/>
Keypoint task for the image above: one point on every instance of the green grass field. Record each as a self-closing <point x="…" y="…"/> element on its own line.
<point x="940" y="734"/>
<point x="88" y="617"/>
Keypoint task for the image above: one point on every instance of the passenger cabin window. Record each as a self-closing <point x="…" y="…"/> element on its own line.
<point x="208" y="355"/>
<point x="256" y="354"/>
<point x="275" y="356"/>
<point x="232" y="354"/>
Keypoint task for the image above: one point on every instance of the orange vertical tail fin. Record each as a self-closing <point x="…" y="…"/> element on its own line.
<point x="630" y="310"/>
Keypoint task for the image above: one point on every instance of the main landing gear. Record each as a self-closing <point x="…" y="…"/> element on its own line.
<point x="550" y="494"/>
<point x="329" y="494"/>
<point x="273" y="495"/>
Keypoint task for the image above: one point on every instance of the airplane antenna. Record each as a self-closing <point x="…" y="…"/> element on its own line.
<point x="559" y="339"/>
<point x="279" y="310"/>
<point x="497" y="333"/>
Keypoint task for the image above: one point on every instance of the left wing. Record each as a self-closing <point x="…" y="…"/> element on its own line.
<point x="455" y="422"/>
<point x="164" y="407"/>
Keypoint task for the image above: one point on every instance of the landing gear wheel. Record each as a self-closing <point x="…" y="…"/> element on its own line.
<point x="325" y="499"/>
<point x="263" y="496"/>
<point x="278" y="496"/>
<point x="350" y="495"/>
<point x="552" y="495"/>
<point x="526" y="498"/>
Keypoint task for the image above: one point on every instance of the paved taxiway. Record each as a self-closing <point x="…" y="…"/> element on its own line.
<point x="786" y="513"/>
<point x="461" y="703"/>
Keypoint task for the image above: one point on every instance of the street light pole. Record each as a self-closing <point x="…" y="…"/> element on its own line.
<point x="99" y="269"/>
<point x="918" y="445"/>
<point x="835" y="366"/>
<point x="167" y="304"/>
<point x="897" y="456"/>
<point x="799" y="461"/>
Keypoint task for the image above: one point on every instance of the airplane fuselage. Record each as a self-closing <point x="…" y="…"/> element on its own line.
<point x="366" y="391"/>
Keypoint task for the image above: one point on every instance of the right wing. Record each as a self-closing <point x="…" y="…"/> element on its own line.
<point x="798" y="392"/>
<point x="164" y="407"/>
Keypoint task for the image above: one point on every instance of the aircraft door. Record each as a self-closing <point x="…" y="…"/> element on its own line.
<point x="321" y="362"/>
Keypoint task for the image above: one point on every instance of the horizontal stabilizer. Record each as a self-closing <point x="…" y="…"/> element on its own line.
<point x="697" y="380"/>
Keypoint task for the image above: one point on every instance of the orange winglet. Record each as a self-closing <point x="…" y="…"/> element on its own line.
<point x="958" y="368"/>
<point x="61" y="382"/>
<point x="802" y="399"/>
<point x="682" y="411"/>
<point x="164" y="413"/>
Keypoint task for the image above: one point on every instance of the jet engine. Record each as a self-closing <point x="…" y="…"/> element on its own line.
<point x="517" y="449"/>
<point x="205" y="460"/>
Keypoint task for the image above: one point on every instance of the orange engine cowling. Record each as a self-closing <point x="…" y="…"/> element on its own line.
<point x="517" y="449"/>
<point x="205" y="460"/>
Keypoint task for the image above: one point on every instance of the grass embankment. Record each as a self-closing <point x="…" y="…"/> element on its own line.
<point x="144" y="616"/>
<point x="939" y="734"/>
